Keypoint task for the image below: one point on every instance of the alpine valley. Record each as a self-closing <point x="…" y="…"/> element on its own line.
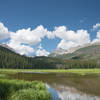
<point x="85" y="56"/>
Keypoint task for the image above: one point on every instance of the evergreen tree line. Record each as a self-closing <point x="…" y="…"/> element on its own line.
<point x="9" y="59"/>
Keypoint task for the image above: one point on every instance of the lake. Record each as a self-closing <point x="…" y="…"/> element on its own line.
<point x="66" y="86"/>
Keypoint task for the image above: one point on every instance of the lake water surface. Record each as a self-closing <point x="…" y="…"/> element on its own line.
<point x="66" y="86"/>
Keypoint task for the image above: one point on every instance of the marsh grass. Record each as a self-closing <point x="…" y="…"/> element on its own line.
<point x="3" y="76"/>
<point x="10" y="89"/>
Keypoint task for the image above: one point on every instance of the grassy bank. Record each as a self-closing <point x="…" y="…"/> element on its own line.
<point x="23" y="90"/>
<point x="76" y="71"/>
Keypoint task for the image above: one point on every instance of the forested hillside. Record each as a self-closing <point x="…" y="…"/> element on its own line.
<point x="9" y="59"/>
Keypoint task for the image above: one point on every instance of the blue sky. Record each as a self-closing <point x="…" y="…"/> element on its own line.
<point x="74" y="14"/>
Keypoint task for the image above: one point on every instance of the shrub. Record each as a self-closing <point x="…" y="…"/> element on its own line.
<point x="30" y="94"/>
<point x="11" y="87"/>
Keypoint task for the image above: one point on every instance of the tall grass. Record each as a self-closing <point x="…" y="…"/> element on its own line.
<point x="10" y="90"/>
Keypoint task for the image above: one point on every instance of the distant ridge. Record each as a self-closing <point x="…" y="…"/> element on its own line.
<point x="61" y="52"/>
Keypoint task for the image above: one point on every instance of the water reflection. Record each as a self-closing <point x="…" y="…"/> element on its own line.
<point x="55" y="95"/>
<point x="66" y="86"/>
<point x="67" y="93"/>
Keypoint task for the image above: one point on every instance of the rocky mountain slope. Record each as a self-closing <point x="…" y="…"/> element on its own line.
<point x="60" y="51"/>
<point x="87" y="51"/>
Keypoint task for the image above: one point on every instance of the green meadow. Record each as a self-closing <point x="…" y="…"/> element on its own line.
<point x="75" y="71"/>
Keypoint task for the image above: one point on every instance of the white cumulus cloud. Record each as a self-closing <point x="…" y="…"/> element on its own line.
<point x="30" y="38"/>
<point x="97" y="39"/>
<point x="42" y="52"/>
<point x="96" y="26"/>
<point x="24" y="40"/>
<point x="71" y="38"/>
<point x="21" y="48"/>
<point x="4" y="33"/>
<point x="66" y="44"/>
